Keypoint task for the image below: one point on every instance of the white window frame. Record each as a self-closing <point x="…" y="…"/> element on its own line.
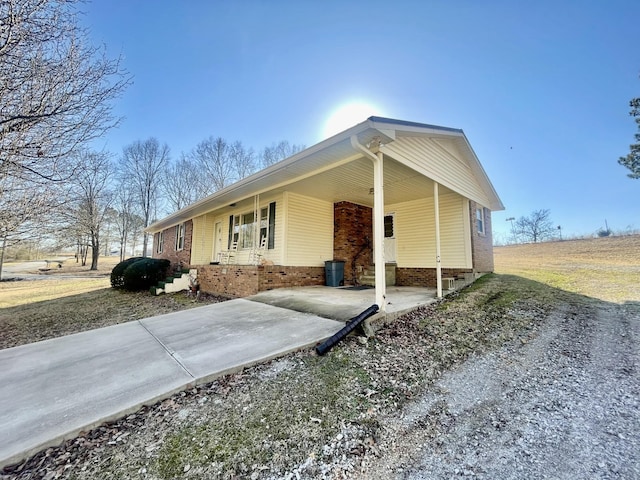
<point x="180" y="233"/>
<point x="243" y="226"/>
<point x="160" y="241"/>
<point x="481" y="220"/>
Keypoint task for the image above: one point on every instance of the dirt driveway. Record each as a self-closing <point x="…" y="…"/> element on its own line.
<point x="565" y="404"/>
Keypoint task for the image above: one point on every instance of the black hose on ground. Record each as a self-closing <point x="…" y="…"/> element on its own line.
<point x="328" y="344"/>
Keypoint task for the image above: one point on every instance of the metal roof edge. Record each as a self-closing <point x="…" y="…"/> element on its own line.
<point x="405" y="123"/>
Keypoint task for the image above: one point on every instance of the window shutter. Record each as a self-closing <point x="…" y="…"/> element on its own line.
<point x="272" y="225"/>
<point x="230" y="232"/>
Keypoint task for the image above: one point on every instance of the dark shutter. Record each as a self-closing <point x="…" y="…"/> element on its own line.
<point x="272" y="225"/>
<point x="230" y="232"/>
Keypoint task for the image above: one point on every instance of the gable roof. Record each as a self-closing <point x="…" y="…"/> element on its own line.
<point x="336" y="151"/>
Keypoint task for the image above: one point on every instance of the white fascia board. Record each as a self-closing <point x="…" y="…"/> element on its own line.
<point x="226" y="196"/>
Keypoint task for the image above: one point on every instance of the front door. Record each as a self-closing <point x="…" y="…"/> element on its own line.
<point x="217" y="241"/>
<point x="389" y="238"/>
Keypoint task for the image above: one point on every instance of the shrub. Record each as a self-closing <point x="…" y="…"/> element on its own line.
<point x="117" y="274"/>
<point x="143" y="274"/>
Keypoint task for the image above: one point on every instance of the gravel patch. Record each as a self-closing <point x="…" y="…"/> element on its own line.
<point x="564" y="405"/>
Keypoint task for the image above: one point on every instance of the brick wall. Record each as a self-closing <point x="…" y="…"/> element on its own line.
<point x="424" y="277"/>
<point x="275" y="276"/>
<point x="353" y="225"/>
<point x="229" y="280"/>
<point x="245" y="280"/>
<point x="481" y="244"/>
<point x="169" y="245"/>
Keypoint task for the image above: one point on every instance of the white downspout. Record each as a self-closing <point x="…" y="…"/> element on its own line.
<point x="436" y="207"/>
<point x="378" y="221"/>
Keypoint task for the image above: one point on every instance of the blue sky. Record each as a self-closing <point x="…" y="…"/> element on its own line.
<point x="541" y="88"/>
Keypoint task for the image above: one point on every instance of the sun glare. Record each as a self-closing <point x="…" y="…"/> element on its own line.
<point x="347" y="116"/>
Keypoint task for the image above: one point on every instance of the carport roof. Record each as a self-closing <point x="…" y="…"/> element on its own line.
<point x="330" y="154"/>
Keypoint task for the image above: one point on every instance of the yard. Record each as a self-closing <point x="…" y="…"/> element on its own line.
<point x="34" y="310"/>
<point x="364" y="410"/>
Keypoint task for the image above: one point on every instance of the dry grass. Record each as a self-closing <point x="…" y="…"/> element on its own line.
<point x="19" y="293"/>
<point x="71" y="267"/>
<point x="603" y="268"/>
<point x="35" y="310"/>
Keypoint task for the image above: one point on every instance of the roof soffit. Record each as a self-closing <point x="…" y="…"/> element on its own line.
<point x="327" y="155"/>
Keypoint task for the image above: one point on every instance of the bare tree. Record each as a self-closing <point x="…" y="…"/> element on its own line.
<point x="279" y="151"/>
<point x="183" y="183"/>
<point x="135" y="232"/>
<point x="92" y="196"/>
<point x="535" y="227"/>
<point x="123" y="204"/>
<point x="23" y="210"/>
<point x="56" y="89"/>
<point x="109" y="227"/>
<point x="212" y="157"/>
<point x="143" y="164"/>
<point x="242" y="160"/>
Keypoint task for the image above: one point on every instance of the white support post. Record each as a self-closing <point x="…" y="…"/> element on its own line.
<point x="378" y="220"/>
<point x="436" y="207"/>
<point x="378" y="231"/>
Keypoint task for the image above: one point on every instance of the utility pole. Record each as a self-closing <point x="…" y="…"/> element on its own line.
<point x="513" y="231"/>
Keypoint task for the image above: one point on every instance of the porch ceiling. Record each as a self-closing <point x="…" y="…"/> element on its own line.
<point x="353" y="182"/>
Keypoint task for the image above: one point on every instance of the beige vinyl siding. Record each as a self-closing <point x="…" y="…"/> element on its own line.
<point x="415" y="232"/>
<point x="204" y="225"/>
<point x="202" y="239"/>
<point x="439" y="160"/>
<point x="309" y="231"/>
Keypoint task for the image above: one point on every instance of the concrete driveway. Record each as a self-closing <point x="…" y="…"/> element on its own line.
<point x="54" y="389"/>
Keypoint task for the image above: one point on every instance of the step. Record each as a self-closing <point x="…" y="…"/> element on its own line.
<point x="369" y="273"/>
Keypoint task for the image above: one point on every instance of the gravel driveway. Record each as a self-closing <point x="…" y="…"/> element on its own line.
<point x="563" y="405"/>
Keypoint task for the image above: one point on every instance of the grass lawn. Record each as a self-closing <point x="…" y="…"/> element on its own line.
<point x="604" y="268"/>
<point x="34" y="310"/>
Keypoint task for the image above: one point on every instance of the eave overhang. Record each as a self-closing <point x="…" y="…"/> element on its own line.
<point x="328" y="154"/>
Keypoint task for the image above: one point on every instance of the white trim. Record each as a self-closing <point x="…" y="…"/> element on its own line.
<point x="466" y="225"/>
<point x="436" y="208"/>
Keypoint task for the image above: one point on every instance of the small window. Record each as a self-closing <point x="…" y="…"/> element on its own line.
<point x="159" y="242"/>
<point x="264" y="223"/>
<point x="480" y="220"/>
<point x="180" y="237"/>
<point x="388" y="226"/>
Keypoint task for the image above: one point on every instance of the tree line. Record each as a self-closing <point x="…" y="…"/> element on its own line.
<point x="110" y="199"/>
<point x="56" y="98"/>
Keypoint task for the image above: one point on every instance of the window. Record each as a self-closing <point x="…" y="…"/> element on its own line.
<point x="264" y="222"/>
<point x="242" y="231"/>
<point x="388" y="226"/>
<point x="180" y="237"/>
<point x="242" y="227"/>
<point x="159" y="242"/>
<point x="480" y="220"/>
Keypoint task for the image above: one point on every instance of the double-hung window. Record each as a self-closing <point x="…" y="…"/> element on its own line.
<point x="180" y="237"/>
<point x="160" y="242"/>
<point x="480" y="220"/>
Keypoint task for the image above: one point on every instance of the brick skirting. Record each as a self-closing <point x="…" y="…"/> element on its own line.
<point x="245" y="280"/>
<point x="425" y="277"/>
